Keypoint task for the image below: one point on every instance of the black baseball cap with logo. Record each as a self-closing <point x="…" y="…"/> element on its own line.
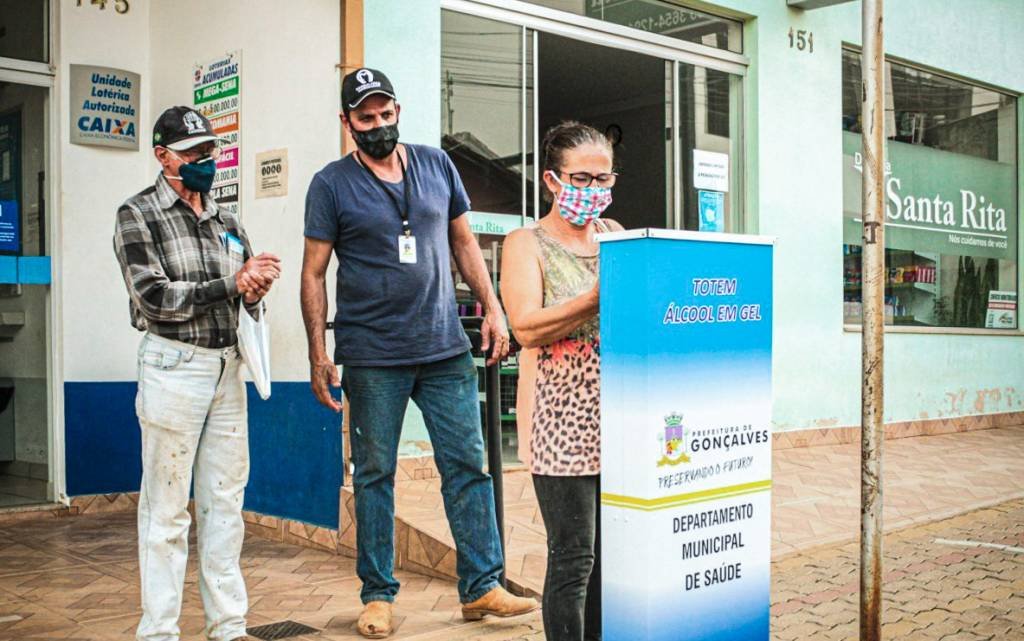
<point x="363" y="83"/>
<point x="180" y="128"/>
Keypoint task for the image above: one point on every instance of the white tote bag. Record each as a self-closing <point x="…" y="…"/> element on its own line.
<point x="254" y="345"/>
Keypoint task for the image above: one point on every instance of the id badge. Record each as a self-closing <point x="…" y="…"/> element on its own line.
<point x="407" y="249"/>
<point x="232" y="243"/>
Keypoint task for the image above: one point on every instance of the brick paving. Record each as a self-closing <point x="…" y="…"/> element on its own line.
<point x="931" y="590"/>
<point x="936" y="585"/>
<point x="76" y="578"/>
<point x="815" y="494"/>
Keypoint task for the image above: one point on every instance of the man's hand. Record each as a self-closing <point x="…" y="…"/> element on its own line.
<point x="257" y="276"/>
<point x="254" y="286"/>
<point x="494" y="331"/>
<point x="265" y="264"/>
<point x="324" y="373"/>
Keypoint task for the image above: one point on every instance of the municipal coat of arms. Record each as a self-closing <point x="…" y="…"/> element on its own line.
<point x="673" y="441"/>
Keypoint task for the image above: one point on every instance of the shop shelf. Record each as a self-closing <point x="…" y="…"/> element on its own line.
<point x="928" y="288"/>
<point x="907" y="320"/>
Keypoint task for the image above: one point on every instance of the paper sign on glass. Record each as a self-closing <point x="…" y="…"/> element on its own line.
<point x="710" y="170"/>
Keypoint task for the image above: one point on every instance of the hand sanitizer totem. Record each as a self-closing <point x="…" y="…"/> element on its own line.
<point x="686" y="357"/>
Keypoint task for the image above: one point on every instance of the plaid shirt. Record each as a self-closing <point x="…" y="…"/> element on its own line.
<point x="179" y="267"/>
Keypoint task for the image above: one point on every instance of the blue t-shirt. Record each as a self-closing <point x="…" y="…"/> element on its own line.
<point x="391" y="313"/>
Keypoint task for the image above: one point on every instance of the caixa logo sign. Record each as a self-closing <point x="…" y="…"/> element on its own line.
<point x="112" y="126"/>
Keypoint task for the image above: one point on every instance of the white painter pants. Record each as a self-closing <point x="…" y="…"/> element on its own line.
<point x="192" y="411"/>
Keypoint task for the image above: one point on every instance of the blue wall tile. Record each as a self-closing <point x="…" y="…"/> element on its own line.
<point x="34" y="270"/>
<point x="8" y="270"/>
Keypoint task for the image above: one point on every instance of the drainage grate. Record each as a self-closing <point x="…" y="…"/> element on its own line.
<point x="279" y="630"/>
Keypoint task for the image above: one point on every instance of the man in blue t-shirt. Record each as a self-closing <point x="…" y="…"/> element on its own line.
<point x="394" y="215"/>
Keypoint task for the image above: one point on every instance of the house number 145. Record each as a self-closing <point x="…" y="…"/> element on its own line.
<point x="120" y="6"/>
<point x="801" y="39"/>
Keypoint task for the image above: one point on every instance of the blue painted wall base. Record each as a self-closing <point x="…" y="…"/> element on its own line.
<point x="294" y="444"/>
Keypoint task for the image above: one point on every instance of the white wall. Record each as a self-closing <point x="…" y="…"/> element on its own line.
<point x="403" y="39"/>
<point x="98" y="340"/>
<point x="795" y="102"/>
<point x="290" y="99"/>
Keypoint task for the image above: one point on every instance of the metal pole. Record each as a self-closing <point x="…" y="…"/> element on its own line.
<point x="493" y="383"/>
<point x="873" y="274"/>
<point x="449" y="95"/>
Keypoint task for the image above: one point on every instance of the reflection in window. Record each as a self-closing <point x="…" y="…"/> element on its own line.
<point x="927" y="109"/>
<point x="24" y="30"/>
<point x="482" y="102"/>
<point x="951" y="200"/>
<point x="487" y="85"/>
<point x="660" y="17"/>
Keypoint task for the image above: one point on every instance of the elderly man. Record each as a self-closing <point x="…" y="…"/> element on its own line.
<point x="186" y="264"/>
<point x="395" y="214"/>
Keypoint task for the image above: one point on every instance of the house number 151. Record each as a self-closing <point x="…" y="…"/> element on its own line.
<point x="801" y="39"/>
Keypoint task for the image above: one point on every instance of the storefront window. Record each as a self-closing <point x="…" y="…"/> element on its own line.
<point x="951" y="200"/>
<point x="660" y="17"/>
<point x="23" y="30"/>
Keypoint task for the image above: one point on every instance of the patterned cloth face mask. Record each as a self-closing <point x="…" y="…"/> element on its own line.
<point x="581" y="205"/>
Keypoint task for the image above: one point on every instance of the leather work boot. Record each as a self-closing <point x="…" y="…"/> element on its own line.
<point x="375" y="621"/>
<point x="500" y="603"/>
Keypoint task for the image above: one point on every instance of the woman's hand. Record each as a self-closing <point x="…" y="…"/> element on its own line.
<point x="594" y="295"/>
<point x="522" y="289"/>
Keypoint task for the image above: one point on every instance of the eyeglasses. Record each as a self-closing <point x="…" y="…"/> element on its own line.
<point x="211" y="152"/>
<point x="584" y="179"/>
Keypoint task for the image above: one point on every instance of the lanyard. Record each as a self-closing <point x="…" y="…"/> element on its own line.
<point x="403" y="212"/>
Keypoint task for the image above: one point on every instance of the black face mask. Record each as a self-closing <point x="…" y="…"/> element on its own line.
<point x="378" y="142"/>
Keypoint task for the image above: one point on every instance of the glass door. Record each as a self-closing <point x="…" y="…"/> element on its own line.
<point x="487" y="128"/>
<point x="674" y="118"/>
<point x="25" y="401"/>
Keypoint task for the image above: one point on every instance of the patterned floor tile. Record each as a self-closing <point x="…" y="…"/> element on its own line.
<point x="23" y="619"/>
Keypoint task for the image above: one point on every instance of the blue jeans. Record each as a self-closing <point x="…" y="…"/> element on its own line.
<point x="446" y="394"/>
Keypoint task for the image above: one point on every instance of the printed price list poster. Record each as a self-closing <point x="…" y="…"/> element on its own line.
<point x="217" y="94"/>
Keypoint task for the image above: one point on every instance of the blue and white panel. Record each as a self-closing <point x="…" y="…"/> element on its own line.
<point x="686" y="440"/>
